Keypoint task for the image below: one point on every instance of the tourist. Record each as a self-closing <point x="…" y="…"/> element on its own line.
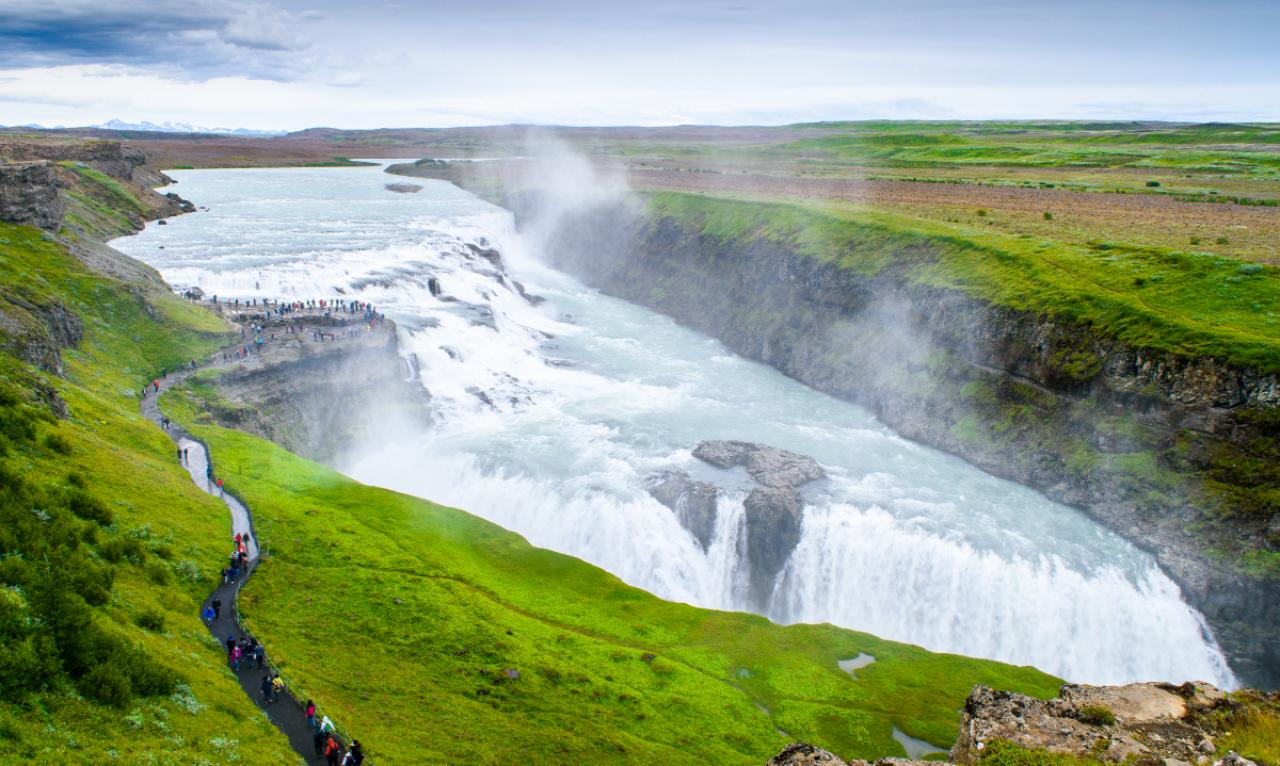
<point x="235" y="657"/>
<point x="181" y="456"/>
<point x="356" y="753"/>
<point x="184" y="454"/>
<point x="277" y="685"/>
<point x="332" y="750"/>
<point x="311" y="713"/>
<point x="209" y="615"/>
<point x="217" y="608"/>
<point x="260" y="656"/>
<point x="266" y="687"/>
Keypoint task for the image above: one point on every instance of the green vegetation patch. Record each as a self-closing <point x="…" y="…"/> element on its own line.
<point x="1238" y="149"/>
<point x="1253" y="727"/>
<point x="1187" y="303"/>
<point x="106" y="547"/>
<point x="403" y="619"/>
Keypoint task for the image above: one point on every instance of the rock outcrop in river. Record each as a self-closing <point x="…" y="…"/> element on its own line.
<point x="773" y="511"/>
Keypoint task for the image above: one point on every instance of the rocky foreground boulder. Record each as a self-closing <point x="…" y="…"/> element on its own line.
<point x="1146" y="724"/>
<point x="808" y="755"/>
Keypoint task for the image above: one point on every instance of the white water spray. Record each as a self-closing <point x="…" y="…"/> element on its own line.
<point x="550" y="418"/>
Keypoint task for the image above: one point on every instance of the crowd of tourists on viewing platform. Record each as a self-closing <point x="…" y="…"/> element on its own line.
<point x="263" y="320"/>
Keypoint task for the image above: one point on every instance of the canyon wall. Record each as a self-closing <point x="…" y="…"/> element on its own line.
<point x="1160" y="448"/>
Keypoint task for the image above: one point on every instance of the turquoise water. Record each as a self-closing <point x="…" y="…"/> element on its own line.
<point x="550" y="418"/>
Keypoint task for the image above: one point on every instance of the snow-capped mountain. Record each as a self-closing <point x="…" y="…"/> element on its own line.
<point x="184" y="127"/>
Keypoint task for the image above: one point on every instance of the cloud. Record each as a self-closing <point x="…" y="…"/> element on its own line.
<point x="199" y="38"/>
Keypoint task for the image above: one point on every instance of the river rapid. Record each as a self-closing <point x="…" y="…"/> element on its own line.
<point x="550" y="418"/>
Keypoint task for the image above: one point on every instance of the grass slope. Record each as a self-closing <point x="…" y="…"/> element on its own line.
<point x="1231" y="149"/>
<point x="401" y="616"/>
<point x="98" y="499"/>
<point x="1187" y="303"/>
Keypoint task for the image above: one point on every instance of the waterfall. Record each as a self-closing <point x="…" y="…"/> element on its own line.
<point x="550" y="418"/>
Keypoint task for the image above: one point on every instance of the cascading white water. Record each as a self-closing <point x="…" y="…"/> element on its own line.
<point x="550" y="419"/>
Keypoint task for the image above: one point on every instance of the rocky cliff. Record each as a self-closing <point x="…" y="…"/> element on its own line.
<point x="1174" y="453"/>
<point x="108" y="157"/>
<point x="29" y="195"/>
<point x="79" y="193"/>
<point x="317" y="398"/>
<point x="1156" y="724"/>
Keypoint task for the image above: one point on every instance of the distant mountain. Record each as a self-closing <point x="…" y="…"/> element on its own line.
<point x="184" y="127"/>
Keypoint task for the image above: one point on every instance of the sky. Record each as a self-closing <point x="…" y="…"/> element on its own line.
<point x="293" y="64"/>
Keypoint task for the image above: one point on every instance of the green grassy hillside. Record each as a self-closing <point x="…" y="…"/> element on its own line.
<point x="106" y="548"/>
<point x="400" y="617"/>
<point x="1185" y="302"/>
<point x="1244" y="149"/>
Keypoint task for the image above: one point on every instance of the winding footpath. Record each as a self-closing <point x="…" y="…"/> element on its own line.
<point x="286" y="712"/>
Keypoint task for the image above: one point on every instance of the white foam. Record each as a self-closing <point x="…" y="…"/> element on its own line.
<point x="550" y="428"/>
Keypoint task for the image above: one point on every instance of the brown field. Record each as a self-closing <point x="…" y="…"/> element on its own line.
<point x="1087" y="203"/>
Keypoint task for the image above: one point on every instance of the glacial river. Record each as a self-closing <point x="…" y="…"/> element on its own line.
<point x="550" y="418"/>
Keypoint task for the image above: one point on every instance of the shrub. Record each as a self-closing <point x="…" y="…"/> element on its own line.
<point x="151" y="619"/>
<point x="184" y="698"/>
<point x="188" y="571"/>
<point x="1096" y="715"/>
<point x="1002" y="752"/>
<point x="1153" y="184"/>
<point x="88" y="507"/>
<point x="58" y="444"/>
<point x="982" y="212"/>
<point x="106" y="684"/>
<point x="1048" y="216"/>
<point x="1250" y="268"/>
<point x="158" y="573"/>
<point x="147" y="678"/>
<point x="1195" y="240"/>
<point x="1222" y="241"/>
<point x="123" y="548"/>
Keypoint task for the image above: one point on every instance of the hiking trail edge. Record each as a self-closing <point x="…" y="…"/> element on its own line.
<point x="286" y="712"/>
